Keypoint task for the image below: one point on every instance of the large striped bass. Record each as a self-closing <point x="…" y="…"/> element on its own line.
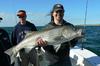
<point x="53" y="36"/>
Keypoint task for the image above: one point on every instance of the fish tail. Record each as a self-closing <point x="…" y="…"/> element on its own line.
<point x="11" y="54"/>
<point x="9" y="51"/>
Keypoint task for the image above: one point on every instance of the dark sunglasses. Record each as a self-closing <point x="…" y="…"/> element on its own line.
<point x="59" y="11"/>
<point x="21" y="16"/>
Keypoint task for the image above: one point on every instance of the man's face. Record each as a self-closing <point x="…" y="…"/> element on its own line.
<point x="58" y="15"/>
<point x="21" y="15"/>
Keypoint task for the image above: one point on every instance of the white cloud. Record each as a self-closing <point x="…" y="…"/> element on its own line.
<point x="39" y="19"/>
<point x="9" y="19"/>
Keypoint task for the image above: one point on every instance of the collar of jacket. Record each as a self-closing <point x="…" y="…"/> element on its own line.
<point x="62" y="23"/>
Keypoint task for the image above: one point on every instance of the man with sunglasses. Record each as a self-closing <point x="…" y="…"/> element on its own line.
<point x="20" y="30"/>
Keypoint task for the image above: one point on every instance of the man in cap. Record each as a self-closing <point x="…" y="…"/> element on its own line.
<point x="20" y="30"/>
<point x="63" y="52"/>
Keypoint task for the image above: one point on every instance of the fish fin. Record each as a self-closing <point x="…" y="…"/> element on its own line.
<point x="51" y="58"/>
<point x="80" y="32"/>
<point x="56" y="47"/>
<point x="28" y="34"/>
<point x="12" y="58"/>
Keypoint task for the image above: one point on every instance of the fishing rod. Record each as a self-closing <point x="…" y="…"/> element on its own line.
<point x="84" y="27"/>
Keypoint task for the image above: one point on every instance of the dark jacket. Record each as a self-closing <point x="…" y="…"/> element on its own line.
<point x="20" y="31"/>
<point x="4" y="45"/>
<point x="64" y="49"/>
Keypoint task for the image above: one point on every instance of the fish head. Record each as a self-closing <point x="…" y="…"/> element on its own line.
<point x="69" y="32"/>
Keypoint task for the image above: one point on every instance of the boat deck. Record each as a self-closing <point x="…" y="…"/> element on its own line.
<point x="84" y="57"/>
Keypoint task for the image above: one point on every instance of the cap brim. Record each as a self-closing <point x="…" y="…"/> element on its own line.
<point x="21" y="14"/>
<point x="1" y="18"/>
<point x="58" y="9"/>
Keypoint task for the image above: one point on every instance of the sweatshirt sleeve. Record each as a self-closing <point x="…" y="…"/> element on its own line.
<point x="5" y="41"/>
<point x="34" y="28"/>
<point x="13" y="38"/>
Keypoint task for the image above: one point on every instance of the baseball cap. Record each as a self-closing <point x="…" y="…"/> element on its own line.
<point x="57" y="7"/>
<point x="21" y="13"/>
<point x="1" y="18"/>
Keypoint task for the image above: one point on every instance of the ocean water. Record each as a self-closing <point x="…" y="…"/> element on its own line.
<point x="92" y="36"/>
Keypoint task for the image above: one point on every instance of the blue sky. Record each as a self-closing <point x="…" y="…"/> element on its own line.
<point x="37" y="11"/>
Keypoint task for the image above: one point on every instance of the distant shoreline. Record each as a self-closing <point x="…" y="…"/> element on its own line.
<point x="75" y="25"/>
<point x="89" y="25"/>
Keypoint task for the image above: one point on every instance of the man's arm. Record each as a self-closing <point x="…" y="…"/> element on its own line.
<point x="13" y="38"/>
